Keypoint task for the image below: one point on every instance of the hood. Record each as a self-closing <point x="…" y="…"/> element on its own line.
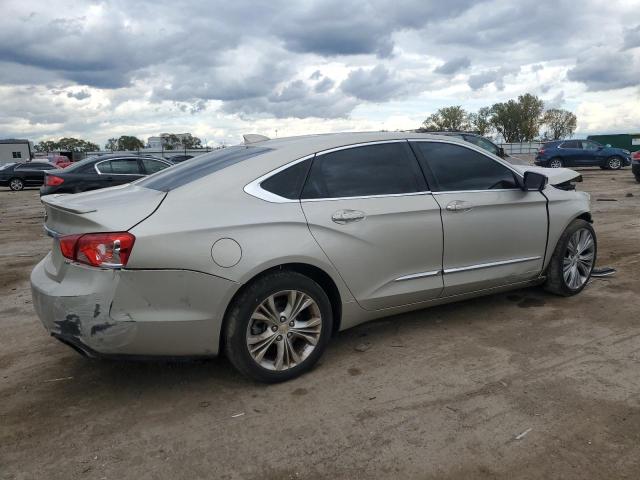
<point x="556" y="176"/>
<point x="107" y="210"/>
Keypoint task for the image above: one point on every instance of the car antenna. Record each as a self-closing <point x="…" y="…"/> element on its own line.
<point x="254" y="138"/>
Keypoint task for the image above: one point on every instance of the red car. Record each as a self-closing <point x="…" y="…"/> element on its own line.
<point x="635" y="165"/>
<point x="61" y="161"/>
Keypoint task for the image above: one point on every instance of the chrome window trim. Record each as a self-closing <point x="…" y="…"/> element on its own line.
<point x="413" y="276"/>
<point x="385" y="195"/>
<point x="255" y="189"/>
<point x="490" y="264"/>
<point x="481" y="191"/>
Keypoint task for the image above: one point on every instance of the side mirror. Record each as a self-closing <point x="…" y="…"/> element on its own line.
<point x="501" y="152"/>
<point x="534" y="182"/>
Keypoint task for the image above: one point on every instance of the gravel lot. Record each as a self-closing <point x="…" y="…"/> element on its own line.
<point x="521" y="384"/>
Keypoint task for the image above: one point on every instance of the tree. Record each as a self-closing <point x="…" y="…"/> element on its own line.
<point x="127" y="142"/>
<point x="453" y="118"/>
<point x="76" y="145"/>
<point x="66" y="144"/>
<point x="559" y="124"/>
<point x="46" y="146"/>
<point x="518" y="121"/>
<point x="481" y="121"/>
<point x="189" y="141"/>
<point x="112" y="144"/>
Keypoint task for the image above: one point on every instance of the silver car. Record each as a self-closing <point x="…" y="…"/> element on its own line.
<point x="264" y="250"/>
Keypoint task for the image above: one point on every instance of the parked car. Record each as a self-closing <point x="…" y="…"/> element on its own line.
<point x="100" y="172"/>
<point x="17" y="176"/>
<point x="635" y="165"/>
<point x="179" y="158"/>
<point x="61" y="161"/>
<point x="264" y="250"/>
<point x="582" y="153"/>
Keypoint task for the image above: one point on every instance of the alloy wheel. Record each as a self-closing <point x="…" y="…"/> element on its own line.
<point x="555" y="163"/>
<point x="614" y="163"/>
<point x="16" y="184"/>
<point x="578" y="259"/>
<point x="283" y="330"/>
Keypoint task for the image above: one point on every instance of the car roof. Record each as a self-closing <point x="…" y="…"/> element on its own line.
<point x="308" y="144"/>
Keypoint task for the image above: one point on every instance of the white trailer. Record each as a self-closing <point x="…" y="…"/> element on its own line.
<point x="15" y="150"/>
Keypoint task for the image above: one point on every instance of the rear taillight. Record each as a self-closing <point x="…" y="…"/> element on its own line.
<point x="636" y="155"/>
<point x="107" y="250"/>
<point x="53" y="181"/>
<point x="541" y="151"/>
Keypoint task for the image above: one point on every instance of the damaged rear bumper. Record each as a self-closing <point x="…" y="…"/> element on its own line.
<point x="103" y="312"/>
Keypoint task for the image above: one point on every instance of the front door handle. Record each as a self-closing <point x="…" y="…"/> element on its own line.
<point x="459" y="206"/>
<point x="347" y="216"/>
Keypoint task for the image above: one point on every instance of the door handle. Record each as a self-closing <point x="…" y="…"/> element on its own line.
<point x="459" y="206"/>
<point x="347" y="216"/>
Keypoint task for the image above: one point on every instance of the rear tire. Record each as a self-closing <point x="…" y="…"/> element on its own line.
<point x="573" y="260"/>
<point x="268" y="336"/>
<point x="16" y="184"/>
<point x="555" y="163"/>
<point x="614" y="163"/>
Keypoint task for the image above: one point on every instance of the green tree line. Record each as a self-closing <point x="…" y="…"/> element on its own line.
<point x="517" y="120"/>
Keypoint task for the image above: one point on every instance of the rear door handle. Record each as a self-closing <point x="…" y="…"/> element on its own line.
<point x="347" y="216"/>
<point x="459" y="206"/>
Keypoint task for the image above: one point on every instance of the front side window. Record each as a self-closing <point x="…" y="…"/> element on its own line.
<point x="123" y="166"/>
<point x="586" y="145"/>
<point x="153" y="166"/>
<point x="458" y="168"/>
<point x="379" y="169"/>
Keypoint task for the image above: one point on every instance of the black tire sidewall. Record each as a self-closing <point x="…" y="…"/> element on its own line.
<point x="244" y="305"/>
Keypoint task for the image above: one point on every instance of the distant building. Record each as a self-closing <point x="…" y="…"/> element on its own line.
<point x="15" y="150"/>
<point x="164" y="140"/>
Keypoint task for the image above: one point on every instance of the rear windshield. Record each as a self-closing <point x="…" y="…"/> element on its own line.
<point x="6" y="165"/>
<point x="199" y="167"/>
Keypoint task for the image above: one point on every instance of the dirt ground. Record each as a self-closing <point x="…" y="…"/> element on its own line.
<point x="516" y="385"/>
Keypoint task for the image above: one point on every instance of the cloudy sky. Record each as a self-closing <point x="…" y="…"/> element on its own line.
<point x="222" y="68"/>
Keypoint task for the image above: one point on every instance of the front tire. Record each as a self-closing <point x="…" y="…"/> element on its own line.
<point x="573" y="260"/>
<point x="278" y="327"/>
<point x="16" y="184"/>
<point x="614" y="163"/>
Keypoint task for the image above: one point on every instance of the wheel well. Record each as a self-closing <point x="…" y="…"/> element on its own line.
<point x="316" y="274"/>
<point x="586" y="216"/>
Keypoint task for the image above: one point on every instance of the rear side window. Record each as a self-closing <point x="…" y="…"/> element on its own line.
<point x="458" y="168"/>
<point x="571" y="144"/>
<point x="153" y="166"/>
<point x="123" y="166"/>
<point x="288" y="183"/>
<point x="380" y="169"/>
<point x="200" y="166"/>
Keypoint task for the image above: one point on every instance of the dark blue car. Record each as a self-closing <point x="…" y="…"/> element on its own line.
<point x="582" y="153"/>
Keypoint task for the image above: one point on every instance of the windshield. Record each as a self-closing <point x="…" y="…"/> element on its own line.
<point x="198" y="167"/>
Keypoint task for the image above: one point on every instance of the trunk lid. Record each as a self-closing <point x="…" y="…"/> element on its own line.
<point x="115" y="209"/>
